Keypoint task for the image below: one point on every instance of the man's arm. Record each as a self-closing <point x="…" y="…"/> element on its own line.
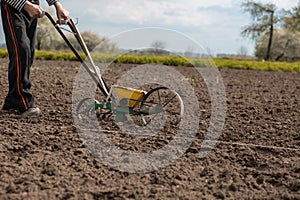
<point x="17" y="4"/>
<point x="61" y="12"/>
<point x="35" y="11"/>
<point x="51" y="2"/>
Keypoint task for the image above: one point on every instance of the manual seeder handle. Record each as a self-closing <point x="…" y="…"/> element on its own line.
<point x="93" y="70"/>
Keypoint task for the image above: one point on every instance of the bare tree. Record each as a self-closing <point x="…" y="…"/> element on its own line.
<point x="158" y="47"/>
<point x="189" y="52"/>
<point x="263" y="21"/>
<point x="242" y="51"/>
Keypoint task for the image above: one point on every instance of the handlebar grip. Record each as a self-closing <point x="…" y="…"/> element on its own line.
<point x="63" y="22"/>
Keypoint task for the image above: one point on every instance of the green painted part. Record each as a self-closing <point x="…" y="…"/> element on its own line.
<point x="102" y="105"/>
<point x="108" y="106"/>
<point x="99" y="105"/>
<point x="118" y="109"/>
<point x="120" y="117"/>
<point x="122" y="110"/>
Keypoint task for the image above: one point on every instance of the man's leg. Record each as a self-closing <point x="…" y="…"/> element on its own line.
<point x="15" y="26"/>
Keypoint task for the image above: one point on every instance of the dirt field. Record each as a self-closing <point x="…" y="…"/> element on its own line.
<point x="257" y="156"/>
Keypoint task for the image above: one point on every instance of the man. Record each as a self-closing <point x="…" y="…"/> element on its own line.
<point x="19" y="20"/>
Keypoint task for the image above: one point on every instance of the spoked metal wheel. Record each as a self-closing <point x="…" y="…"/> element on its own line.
<point x="162" y="106"/>
<point x="85" y="109"/>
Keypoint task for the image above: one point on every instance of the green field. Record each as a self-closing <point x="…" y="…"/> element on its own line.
<point x="170" y="61"/>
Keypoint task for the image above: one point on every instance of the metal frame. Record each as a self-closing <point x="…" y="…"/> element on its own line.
<point x="94" y="72"/>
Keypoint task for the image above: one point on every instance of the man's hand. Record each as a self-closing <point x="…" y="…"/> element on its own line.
<point x="33" y="10"/>
<point x="61" y="12"/>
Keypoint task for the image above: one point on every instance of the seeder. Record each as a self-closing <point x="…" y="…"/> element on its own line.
<point x="159" y="101"/>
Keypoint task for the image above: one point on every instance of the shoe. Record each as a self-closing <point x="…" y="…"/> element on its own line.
<point x="35" y="111"/>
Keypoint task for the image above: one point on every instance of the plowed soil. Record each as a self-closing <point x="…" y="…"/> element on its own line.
<point x="257" y="155"/>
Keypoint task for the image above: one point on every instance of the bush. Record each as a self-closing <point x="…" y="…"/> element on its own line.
<point x="3" y="53"/>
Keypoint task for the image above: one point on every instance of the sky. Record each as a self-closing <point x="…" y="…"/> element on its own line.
<point x="215" y="24"/>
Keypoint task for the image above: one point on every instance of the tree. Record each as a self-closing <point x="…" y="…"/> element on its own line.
<point x="106" y="46"/>
<point x="264" y="20"/>
<point x="158" y="47"/>
<point x="189" y="52"/>
<point x="291" y="21"/>
<point x="242" y="51"/>
<point x="93" y="42"/>
<point x="45" y="34"/>
<point x="91" y="39"/>
<point x="286" y="45"/>
<point x="48" y="38"/>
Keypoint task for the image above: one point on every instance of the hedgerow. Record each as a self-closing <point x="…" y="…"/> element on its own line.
<point x="258" y="65"/>
<point x="168" y="60"/>
<point x="3" y="53"/>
